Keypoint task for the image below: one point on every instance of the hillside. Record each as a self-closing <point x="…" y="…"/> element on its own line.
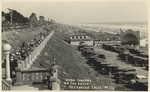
<point x="71" y="63"/>
<point x="16" y="37"/>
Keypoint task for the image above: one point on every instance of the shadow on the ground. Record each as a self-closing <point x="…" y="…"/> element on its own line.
<point x="40" y="86"/>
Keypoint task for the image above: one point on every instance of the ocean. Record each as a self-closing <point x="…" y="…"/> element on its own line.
<point x="114" y="27"/>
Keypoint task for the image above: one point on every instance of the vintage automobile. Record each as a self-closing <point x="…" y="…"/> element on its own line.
<point x="134" y="51"/>
<point x="127" y="69"/>
<point x="112" y="69"/>
<point x="146" y="66"/>
<point x="99" y="55"/>
<point x="145" y="63"/>
<point x="83" y="47"/>
<point x="131" y="58"/>
<point x="119" y="74"/>
<point x="95" y="60"/>
<point x="143" y="54"/>
<point x="128" y="76"/>
<point x="138" y="61"/>
<point x="80" y="47"/>
<point x="119" y="49"/>
<point x="91" y="59"/>
<point x="124" y="77"/>
<point x="103" y="66"/>
<point x="98" y="65"/>
<point x="94" y="56"/>
<point x="86" y="52"/>
<point x="125" y="55"/>
<point x="140" y="83"/>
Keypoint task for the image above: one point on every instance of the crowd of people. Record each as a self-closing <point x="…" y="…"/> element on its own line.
<point x="24" y="50"/>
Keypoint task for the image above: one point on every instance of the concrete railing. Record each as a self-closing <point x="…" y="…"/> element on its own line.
<point x="26" y="64"/>
<point x="30" y="76"/>
<point x="41" y="75"/>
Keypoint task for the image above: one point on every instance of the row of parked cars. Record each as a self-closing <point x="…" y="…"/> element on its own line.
<point x="126" y="76"/>
<point x="129" y="55"/>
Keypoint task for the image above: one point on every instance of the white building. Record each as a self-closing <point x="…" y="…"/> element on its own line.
<point x="77" y="38"/>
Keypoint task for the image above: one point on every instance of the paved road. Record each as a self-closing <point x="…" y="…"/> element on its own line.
<point x="112" y="58"/>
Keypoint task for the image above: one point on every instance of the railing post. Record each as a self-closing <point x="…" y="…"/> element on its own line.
<point x="18" y="77"/>
<point x="25" y="64"/>
<point x="54" y="81"/>
<point x="7" y="47"/>
<point x="27" y="60"/>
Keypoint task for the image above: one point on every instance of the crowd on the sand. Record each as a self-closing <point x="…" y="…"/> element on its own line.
<point x="24" y="50"/>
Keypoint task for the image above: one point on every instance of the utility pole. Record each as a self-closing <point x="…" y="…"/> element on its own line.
<point x="10" y="10"/>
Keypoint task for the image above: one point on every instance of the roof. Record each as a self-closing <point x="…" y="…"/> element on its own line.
<point x="99" y="59"/>
<point x="128" y="68"/>
<point x="142" y="80"/>
<point x="106" y="63"/>
<point x="101" y="39"/>
<point x="112" y="66"/>
<point x="78" y="34"/>
<point x="141" y="76"/>
<point x="128" y="73"/>
<point x="126" y="52"/>
<point x="83" y="39"/>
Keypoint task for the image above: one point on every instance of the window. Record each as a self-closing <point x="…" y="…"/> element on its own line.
<point x="81" y="37"/>
<point x="77" y="37"/>
<point x="84" y="36"/>
<point x="72" y="37"/>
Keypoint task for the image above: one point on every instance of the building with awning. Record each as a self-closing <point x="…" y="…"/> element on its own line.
<point x="77" y="38"/>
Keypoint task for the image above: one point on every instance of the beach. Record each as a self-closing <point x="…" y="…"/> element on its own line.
<point x="114" y="28"/>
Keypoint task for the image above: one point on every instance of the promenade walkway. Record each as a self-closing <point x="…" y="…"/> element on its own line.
<point x="112" y="58"/>
<point x="30" y="87"/>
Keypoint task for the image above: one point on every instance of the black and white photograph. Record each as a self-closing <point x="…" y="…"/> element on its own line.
<point x="74" y="45"/>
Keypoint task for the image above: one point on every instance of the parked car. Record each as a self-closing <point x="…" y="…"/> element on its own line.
<point x="140" y="83"/>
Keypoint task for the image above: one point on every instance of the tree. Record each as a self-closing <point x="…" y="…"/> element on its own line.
<point x="16" y="17"/>
<point x="19" y="18"/>
<point x="33" y="20"/>
<point x="42" y="21"/>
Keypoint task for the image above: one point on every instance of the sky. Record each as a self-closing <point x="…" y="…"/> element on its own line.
<point x="83" y="11"/>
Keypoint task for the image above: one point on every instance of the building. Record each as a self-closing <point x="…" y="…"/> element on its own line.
<point x="77" y="38"/>
<point x="105" y="38"/>
<point x="132" y="38"/>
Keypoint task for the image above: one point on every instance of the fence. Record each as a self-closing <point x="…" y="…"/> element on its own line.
<point x="26" y="64"/>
